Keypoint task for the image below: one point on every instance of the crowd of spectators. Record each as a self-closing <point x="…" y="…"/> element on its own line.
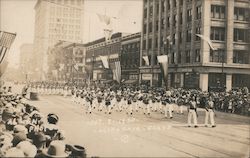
<point x="26" y="132"/>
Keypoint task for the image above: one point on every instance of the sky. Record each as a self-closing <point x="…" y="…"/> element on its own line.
<point x="18" y="16"/>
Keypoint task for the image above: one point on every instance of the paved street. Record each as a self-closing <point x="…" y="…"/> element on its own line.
<point x="153" y="136"/>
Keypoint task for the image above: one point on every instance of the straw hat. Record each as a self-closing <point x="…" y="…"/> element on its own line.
<point x="28" y="149"/>
<point x="56" y="149"/>
<point x="14" y="152"/>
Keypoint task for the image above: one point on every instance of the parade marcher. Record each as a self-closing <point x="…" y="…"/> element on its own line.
<point x="192" y="112"/>
<point x="108" y="104"/>
<point x="168" y="107"/>
<point x="146" y="101"/>
<point x="180" y="103"/>
<point x="209" y="109"/>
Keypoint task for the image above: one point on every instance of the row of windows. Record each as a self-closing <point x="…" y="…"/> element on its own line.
<point x="104" y="50"/>
<point x="217" y="11"/>
<point x="131" y="47"/>
<point x="219" y="34"/>
<point x="240" y="57"/>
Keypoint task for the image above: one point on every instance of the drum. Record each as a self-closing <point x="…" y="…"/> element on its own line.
<point x="33" y="96"/>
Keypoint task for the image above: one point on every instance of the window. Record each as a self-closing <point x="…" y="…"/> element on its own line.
<point x="241" y="14"/>
<point x="181" y="2"/>
<point x="217" y="33"/>
<point x="173" y="57"/>
<point x="189" y="15"/>
<point x="179" y="57"/>
<point x="161" y="42"/>
<point x="197" y="31"/>
<point x="188" y="39"/>
<point x="157" y="25"/>
<point x="198" y="12"/>
<point x="150" y="11"/>
<point x="157" y="8"/>
<point x="188" y="56"/>
<point x="218" y="12"/>
<point x="241" y="35"/>
<point x="174" y="20"/>
<point x="163" y="5"/>
<point x="156" y="42"/>
<point x="173" y="39"/>
<point x="197" y="55"/>
<point x="162" y="23"/>
<point x="145" y="13"/>
<point x="144" y="28"/>
<point x="241" y="57"/>
<point x="180" y="37"/>
<point x="150" y="27"/>
<point x="144" y="45"/>
<point x="168" y="4"/>
<point x="217" y="56"/>
<point x="150" y="43"/>
<point x="174" y="3"/>
<point x="168" y="21"/>
<point x="180" y="18"/>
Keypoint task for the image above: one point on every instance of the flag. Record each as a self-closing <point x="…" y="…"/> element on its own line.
<point x="61" y="67"/>
<point x="163" y="60"/>
<point x="145" y="58"/>
<point x="76" y="67"/>
<point x="104" y="19"/>
<point x="108" y="34"/>
<point x="207" y="40"/>
<point x="6" y="39"/>
<point x="105" y="61"/>
<point x="117" y="72"/>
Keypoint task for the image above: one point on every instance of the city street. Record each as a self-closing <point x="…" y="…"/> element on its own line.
<point x="148" y="136"/>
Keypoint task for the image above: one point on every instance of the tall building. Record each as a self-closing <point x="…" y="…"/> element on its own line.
<point x="130" y="58"/>
<point x="170" y="27"/>
<point x="26" y="61"/>
<point x="66" y="62"/>
<point x="56" y="20"/>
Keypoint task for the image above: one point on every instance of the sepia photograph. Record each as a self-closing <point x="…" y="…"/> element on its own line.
<point x="125" y="78"/>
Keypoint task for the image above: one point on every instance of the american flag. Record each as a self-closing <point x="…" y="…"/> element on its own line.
<point x="6" y="39"/>
<point x="117" y="72"/>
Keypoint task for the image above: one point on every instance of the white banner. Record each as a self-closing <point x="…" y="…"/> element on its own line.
<point x="145" y="58"/>
<point x="105" y="61"/>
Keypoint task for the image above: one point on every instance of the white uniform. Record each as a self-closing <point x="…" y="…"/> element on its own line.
<point x="210" y="114"/>
<point x="192" y="114"/>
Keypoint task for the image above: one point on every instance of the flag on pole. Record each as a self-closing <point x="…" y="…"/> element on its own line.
<point x="61" y="67"/>
<point x="76" y="67"/>
<point x="145" y="58"/>
<point x="108" y="34"/>
<point x="104" y="18"/>
<point x="6" y="39"/>
<point x="163" y="60"/>
<point x="117" y="72"/>
<point x="105" y="62"/>
<point x="207" y="40"/>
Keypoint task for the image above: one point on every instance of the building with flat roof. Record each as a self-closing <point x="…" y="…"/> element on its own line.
<point x="66" y="62"/>
<point x="130" y="58"/>
<point x="101" y="47"/>
<point x="56" y="20"/>
<point x="170" y="27"/>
